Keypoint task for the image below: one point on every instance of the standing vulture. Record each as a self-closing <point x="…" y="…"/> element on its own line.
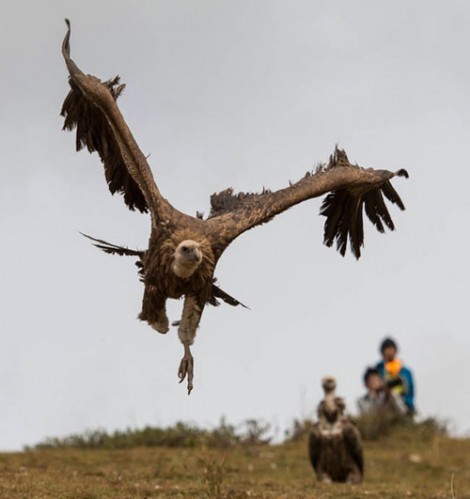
<point x="183" y="250"/>
<point x="335" y="446"/>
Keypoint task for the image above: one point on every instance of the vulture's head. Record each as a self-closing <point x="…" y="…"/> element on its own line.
<point x="331" y="407"/>
<point x="329" y="384"/>
<point x="187" y="258"/>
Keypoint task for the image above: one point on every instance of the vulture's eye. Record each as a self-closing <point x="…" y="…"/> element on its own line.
<point x="184" y="249"/>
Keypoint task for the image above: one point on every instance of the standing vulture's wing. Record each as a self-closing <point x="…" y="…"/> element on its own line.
<point x="91" y="108"/>
<point x="350" y="189"/>
<point x="314" y="446"/>
<point x="353" y="442"/>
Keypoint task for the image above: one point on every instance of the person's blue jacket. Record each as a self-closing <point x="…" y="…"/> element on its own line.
<point x="406" y="376"/>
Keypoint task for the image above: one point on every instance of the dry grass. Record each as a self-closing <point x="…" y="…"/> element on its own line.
<point x="398" y="466"/>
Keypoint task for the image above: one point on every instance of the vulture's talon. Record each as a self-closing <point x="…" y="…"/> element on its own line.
<point x="187" y="368"/>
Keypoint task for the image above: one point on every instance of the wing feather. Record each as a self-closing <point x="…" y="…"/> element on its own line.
<point x="333" y="208"/>
<point x="381" y="208"/>
<point x="392" y="195"/>
<point x="343" y="214"/>
<point x="114" y="249"/>
<point x="358" y="238"/>
<point x="371" y="211"/>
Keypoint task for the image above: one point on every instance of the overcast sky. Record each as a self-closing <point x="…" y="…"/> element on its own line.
<point x="247" y="94"/>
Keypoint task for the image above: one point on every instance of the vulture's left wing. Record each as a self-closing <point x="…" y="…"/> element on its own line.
<point x="353" y="442"/>
<point x="351" y="188"/>
<point x="91" y="108"/>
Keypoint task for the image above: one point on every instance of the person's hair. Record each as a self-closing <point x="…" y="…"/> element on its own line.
<point x="388" y="342"/>
<point x="369" y="372"/>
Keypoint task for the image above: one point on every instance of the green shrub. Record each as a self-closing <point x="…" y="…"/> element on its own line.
<point x="377" y="425"/>
<point x="179" y="435"/>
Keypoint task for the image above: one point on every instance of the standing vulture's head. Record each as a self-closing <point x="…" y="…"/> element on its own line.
<point x="329" y="384"/>
<point x="187" y="258"/>
<point x="331" y="408"/>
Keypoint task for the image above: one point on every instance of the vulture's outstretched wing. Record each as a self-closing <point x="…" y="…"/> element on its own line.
<point x="91" y="108"/>
<point x="350" y="189"/>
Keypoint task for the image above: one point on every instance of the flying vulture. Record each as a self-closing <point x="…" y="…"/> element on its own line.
<point x="335" y="446"/>
<point x="183" y="250"/>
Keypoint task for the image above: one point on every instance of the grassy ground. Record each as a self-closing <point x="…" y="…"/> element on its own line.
<point x="396" y="467"/>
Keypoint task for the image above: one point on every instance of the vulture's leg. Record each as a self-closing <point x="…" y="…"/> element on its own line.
<point x="324" y="477"/>
<point x="354" y="477"/>
<point x="351" y="478"/>
<point x="154" y="310"/>
<point x="192" y="312"/>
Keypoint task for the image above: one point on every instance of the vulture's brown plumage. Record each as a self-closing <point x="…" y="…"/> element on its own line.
<point x="335" y="445"/>
<point x="183" y="250"/>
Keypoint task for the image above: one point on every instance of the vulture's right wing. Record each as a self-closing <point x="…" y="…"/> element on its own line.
<point x="314" y="446"/>
<point x="91" y="108"/>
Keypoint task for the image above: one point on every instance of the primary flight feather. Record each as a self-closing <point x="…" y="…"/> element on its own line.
<point x="183" y="250"/>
